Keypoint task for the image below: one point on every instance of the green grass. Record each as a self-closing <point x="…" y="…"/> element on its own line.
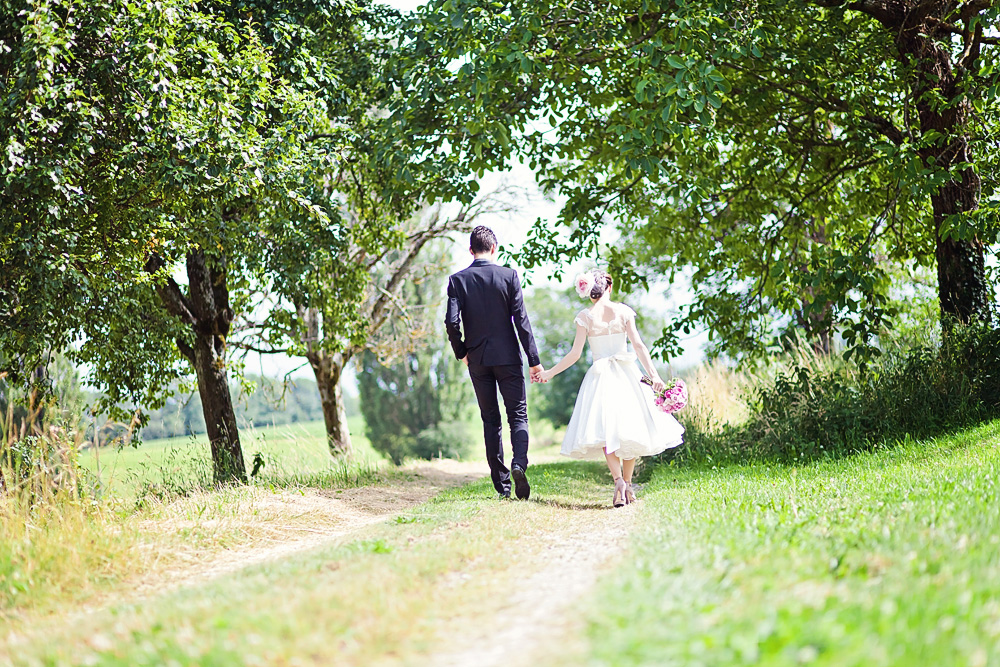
<point x="888" y="558"/>
<point x="293" y="453"/>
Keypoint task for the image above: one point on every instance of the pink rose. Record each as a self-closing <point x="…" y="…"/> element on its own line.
<point x="584" y="283"/>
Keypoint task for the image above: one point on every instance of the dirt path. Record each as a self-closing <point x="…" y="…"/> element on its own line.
<point x="533" y="619"/>
<point x="296" y="521"/>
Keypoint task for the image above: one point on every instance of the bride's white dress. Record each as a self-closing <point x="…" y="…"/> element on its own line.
<point x="613" y="409"/>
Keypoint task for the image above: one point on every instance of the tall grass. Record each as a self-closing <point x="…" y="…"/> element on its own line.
<point x="60" y="547"/>
<point x="57" y="538"/>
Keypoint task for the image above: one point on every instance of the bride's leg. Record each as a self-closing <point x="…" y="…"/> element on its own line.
<point x="615" y="466"/>
<point x="627" y="468"/>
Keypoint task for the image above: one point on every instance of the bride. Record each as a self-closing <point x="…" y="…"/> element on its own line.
<point x="614" y="416"/>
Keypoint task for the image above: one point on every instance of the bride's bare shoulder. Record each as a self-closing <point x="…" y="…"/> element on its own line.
<point x="623" y="310"/>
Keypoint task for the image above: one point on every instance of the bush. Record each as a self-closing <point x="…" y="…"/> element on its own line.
<point x="447" y="440"/>
<point x="814" y="411"/>
<point x="417" y="406"/>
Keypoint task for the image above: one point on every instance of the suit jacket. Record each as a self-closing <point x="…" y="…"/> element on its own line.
<point x="486" y="300"/>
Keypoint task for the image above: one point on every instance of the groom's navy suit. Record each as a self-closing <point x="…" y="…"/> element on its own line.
<point x="486" y="301"/>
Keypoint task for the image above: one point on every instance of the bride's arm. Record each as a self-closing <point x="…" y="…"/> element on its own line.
<point x="642" y="352"/>
<point x="571" y="357"/>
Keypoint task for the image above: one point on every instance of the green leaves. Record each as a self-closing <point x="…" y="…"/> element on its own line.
<point x="773" y="151"/>
<point x="169" y="127"/>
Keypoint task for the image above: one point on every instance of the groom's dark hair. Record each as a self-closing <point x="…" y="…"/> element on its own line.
<point x="482" y="240"/>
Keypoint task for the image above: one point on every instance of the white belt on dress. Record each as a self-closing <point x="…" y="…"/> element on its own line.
<point x="624" y="357"/>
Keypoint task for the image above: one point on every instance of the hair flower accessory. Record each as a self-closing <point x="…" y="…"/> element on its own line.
<point x="584" y="283"/>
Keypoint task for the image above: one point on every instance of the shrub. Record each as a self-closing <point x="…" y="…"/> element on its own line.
<point x="815" y="410"/>
<point x="417" y="406"/>
<point x="448" y="440"/>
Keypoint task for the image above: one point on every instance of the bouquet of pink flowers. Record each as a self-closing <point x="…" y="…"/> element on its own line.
<point x="673" y="397"/>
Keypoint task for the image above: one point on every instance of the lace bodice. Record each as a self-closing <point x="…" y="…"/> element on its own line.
<point x="618" y="324"/>
<point x="607" y="339"/>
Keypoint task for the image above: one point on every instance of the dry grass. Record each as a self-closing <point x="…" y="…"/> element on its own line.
<point x="66" y="539"/>
<point x="56" y="540"/>
<point x="61" y="549"/>
<point x="721" y="394"/>
<point x="716" y="392"/>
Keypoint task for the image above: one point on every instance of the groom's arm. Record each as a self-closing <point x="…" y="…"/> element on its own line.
<point x="521" y="323"/>
<point x="453" y="322"/>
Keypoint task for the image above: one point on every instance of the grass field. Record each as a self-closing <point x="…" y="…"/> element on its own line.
<point x="886" y="558"/>
<point x="290" y="451"/>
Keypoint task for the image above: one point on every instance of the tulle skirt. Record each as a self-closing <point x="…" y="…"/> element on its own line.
<point x="615" y="411"/>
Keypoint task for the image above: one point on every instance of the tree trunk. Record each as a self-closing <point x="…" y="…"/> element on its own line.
<point x="328" y="368"/>
<point x="206" y="311"/>
<point x="942" y="105"/>
<point x="209" y="304"/>
<point x="963" y="292"/>
<point x="217" y="406"/>
<point x="962" y="287"/>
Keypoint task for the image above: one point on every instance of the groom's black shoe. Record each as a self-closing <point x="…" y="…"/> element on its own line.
<point x="521" y="487"/>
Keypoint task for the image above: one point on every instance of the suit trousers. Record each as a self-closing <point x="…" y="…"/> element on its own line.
<point x="510" y="381"/>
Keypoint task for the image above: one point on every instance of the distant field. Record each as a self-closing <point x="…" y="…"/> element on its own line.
<point x="287" y="450"/>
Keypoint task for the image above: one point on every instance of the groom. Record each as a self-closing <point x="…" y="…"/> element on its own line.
<point x="485" y="299"/>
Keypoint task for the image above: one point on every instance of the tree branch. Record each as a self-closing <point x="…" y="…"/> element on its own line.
<point x="880" y="123"/>
<point x="890" y="13"/>
<point x="170" y="293"/>
<point x="249" y="347"/>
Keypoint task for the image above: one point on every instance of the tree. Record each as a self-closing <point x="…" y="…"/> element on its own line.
<point x="784" y="149"/>
<point x="387" y="326"/>
<point x="388" y="269"/>
<point x="139" y="139"/>
<point x="416" y="401"/>
<point x="327" y="301"/>
<point x="832" y="140"/>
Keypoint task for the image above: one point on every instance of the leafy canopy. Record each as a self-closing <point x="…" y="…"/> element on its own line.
<point x="774" y="146"/>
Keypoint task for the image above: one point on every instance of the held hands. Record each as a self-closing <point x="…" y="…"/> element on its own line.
<point x="537" y="372"/>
